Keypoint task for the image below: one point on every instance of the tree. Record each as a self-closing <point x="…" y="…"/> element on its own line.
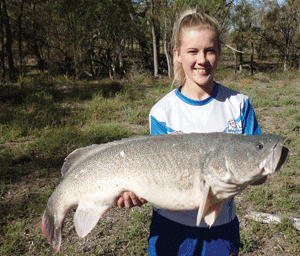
<point x="9" y="39"/>
<point x="242" y="29"/>
<point x="20" y="38"/>
<point x="2" y="43"/>
<point x="168" y="21"/>
<point x="154" y="42"/>
<point x="281" y="27"/>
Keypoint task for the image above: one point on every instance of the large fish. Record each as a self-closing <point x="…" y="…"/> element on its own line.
<point x="172" y="172"/>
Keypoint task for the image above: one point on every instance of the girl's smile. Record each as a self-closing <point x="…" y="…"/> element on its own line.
<point x="199" y="53"/>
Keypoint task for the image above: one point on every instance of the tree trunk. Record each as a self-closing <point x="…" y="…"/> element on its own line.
<point x="2" y="43"/>
<point x="20" y="41"/>
<point x="36" y="52"/>
<point x="285" y="63"/>
<point x="9" y="41"/>
<point x="252" y="54"/>
<point x="240" y="59"/>
<point x="286" y="56"/>
<point x="155" y="58"/>
<point x="168" y="57"/>
<point x="91" y="56"/>
<point x="142" y="47"/>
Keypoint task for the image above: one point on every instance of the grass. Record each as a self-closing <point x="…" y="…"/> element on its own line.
<point x="43" y="119"/>
<point x="248" y="242"/>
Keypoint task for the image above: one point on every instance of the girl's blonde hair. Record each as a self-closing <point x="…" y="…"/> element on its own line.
<point x="193" y="19"/>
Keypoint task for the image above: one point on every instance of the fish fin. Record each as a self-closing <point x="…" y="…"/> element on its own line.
<point x="87" y="216"/>
<point x="52" y="231"/>
<point x="79" y="155"/>
<point x="204" y="202"/>
<point x="213" y="213"/>
<point x="76" y="156"/>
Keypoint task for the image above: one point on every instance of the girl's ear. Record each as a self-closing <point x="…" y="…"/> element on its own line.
<point x="177" y="55"/>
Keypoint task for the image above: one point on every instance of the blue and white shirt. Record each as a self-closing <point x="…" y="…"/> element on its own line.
<point x="225" y="110"/>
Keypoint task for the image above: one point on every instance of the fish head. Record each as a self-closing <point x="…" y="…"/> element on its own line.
<point x="257" y="156"/>
<point x="243" y="160"/>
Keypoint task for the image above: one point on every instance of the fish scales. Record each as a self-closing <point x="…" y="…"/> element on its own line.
<point x="172" y="172"/>
<point x="149" y="157"/>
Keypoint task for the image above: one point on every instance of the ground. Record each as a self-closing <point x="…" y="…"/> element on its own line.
<point x="125" y="232"/>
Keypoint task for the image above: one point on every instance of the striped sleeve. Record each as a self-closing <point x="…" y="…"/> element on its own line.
<point x="249" y="121"/>
<point x="157" y="127"/>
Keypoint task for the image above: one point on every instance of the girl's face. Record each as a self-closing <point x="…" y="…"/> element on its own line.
<point x="199" y="54"/>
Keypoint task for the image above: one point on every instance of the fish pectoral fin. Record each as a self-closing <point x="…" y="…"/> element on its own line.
<point x="213" y="213"/>
<point x="204" y="203"/>
<point x="87" y="216"/>
<point x="207" y="211"/>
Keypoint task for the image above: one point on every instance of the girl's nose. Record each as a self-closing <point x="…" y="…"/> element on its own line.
<point x="201" y="58"/>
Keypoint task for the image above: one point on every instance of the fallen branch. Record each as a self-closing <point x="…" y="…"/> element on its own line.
<point x="233" y="49"/>
<point x="268" y="218"/>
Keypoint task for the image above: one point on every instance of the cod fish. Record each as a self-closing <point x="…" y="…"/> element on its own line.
<point x="172" y="172"/>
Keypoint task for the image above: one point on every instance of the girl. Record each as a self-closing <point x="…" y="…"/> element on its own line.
<point x="198" y="105"/>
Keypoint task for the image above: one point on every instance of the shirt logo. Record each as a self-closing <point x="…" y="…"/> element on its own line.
<point x="233" y="127"/>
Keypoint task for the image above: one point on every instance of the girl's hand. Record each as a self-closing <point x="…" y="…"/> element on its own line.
<point x="129" y="199"/>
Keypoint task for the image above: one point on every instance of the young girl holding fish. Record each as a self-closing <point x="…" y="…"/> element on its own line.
<point x="200" y="105"/>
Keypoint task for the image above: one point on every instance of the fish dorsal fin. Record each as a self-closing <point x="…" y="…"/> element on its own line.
<point x="87" y="216"/>
<point x="76" y="157"/>
<point x="79" y="155"/>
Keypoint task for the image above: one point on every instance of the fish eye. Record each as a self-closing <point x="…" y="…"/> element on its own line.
<point x="259" y="146"/>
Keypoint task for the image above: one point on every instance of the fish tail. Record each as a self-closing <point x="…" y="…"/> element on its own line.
<point x="52" y="231"/>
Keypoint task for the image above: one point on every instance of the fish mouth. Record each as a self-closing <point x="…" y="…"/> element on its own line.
<point x="283" y="158"/>
<point x="275" y="160"/>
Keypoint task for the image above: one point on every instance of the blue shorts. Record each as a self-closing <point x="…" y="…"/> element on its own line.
<point x="171" y="238"/>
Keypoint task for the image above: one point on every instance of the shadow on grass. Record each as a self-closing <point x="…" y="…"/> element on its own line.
<point x="47" y="154"/>
<point x="37" y="104"/>
<point x="14" y="169"/>
<point x="71" y="91"/>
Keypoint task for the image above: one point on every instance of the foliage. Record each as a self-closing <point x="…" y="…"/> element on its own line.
<point x="89" y="38"/>
<point x="281" y="29"/>
<point x="241" y="33"/>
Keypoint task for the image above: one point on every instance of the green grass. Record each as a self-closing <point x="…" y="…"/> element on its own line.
<point x="42" y="120"/>
<point x="248" y="242"/>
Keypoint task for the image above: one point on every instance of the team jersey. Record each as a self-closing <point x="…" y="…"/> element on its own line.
<point x="225" y="110"/>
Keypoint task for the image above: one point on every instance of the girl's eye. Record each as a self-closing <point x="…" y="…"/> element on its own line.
<point x="193" y="52"/>
<point x="210" y="50"/>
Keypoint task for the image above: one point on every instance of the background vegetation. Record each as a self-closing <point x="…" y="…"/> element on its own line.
<point x="91" y="38"/>
<point x="73" y="75"/>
